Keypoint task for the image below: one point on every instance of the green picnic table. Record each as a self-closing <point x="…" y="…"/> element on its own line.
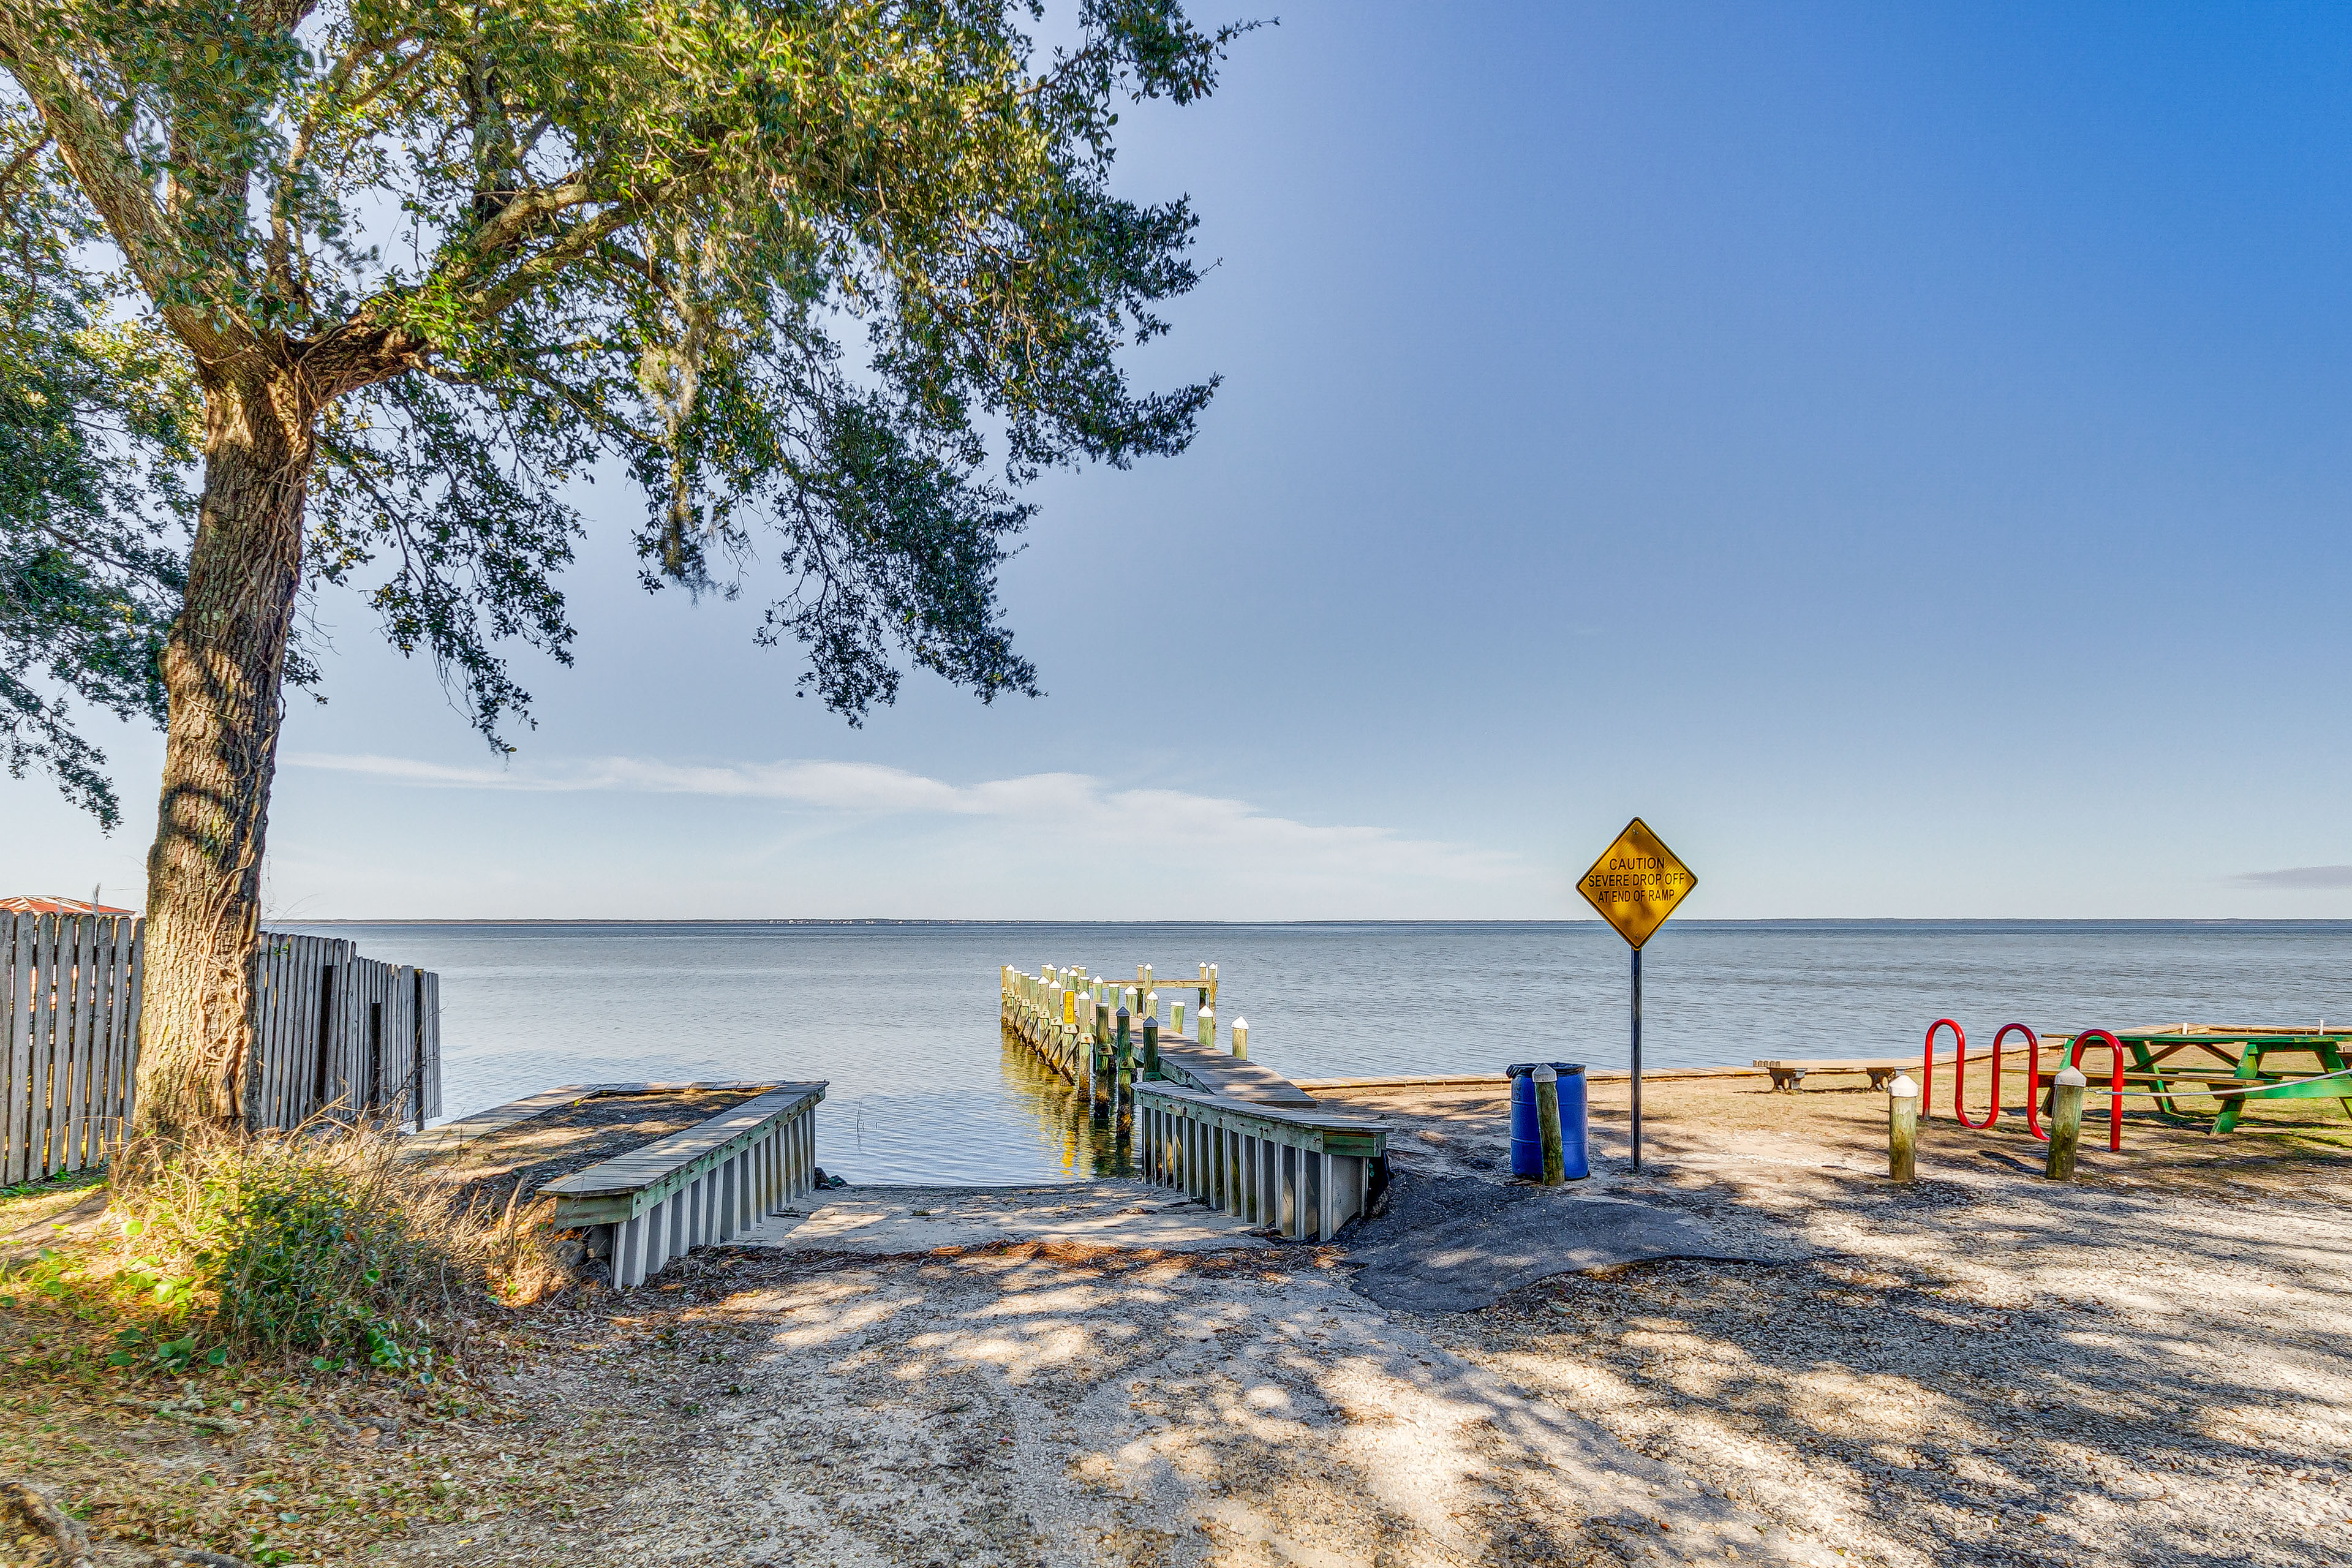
<point x="2194" y="1059"/>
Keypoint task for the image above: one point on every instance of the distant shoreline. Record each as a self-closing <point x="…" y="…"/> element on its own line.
<point x="1842" y="922"/>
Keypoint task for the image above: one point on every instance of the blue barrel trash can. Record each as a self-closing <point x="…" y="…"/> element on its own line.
<point x="1527" y="1136"/>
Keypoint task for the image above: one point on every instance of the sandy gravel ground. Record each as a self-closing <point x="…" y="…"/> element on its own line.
<point x="1057" y="1404"/>
<point x="2147" y="1367"/>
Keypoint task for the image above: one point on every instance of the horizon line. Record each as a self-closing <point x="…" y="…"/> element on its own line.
<point x="1365" y="920"/>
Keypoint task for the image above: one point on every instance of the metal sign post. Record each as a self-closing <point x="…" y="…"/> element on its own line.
<point x="1635" y="885"/>
<point x="1637" y="1058"/>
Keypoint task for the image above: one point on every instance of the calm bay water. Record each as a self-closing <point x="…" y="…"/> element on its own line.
<point x="901" y="1017"/>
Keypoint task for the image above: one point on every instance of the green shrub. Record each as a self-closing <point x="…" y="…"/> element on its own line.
<point x="323" y="1242"/>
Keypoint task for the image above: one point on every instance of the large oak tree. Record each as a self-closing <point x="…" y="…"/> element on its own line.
<point x="831" y="280"/>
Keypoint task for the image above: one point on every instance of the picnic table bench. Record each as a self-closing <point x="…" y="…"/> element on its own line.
<point x="2232" y="1063"/>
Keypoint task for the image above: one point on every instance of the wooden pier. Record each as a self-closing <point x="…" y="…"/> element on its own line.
<point x="1229" y="1131"/>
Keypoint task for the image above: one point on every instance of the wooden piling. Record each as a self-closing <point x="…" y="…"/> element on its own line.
<point x="1241" y="1038"/>
<point x="1902" y="1128"/>
<point x="1208" y="1027"/>
<point x="1555" y="1159"/>
<point x="1151" y="1047"/>
<point x="2065" y="1123"/>
<point x="1116" y="1046"/>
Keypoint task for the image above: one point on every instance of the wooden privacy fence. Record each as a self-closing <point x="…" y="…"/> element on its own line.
<point x="69" y="1021"/>
<point x="331" y="1028"/>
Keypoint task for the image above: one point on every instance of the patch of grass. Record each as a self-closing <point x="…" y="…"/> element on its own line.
<point x="322" y="1244"/>
<point x="54" y="1186"/>
<point x="272" y="1462"/>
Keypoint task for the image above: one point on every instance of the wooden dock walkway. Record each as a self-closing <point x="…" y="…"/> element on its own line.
<point x="1229" y="1132"/>
<point x="1072" y="1019"/>
<point x="1201" y="1068"/>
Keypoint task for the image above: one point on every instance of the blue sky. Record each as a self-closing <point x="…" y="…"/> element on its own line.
<point x="1898" y="451"/>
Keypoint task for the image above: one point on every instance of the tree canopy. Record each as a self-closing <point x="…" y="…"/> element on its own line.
<point x="96" y="425"/>
<point x="829" y="280"/>
<point x="789" y="264"/>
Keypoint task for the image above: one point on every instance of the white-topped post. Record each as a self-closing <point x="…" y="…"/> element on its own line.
<point x="1903" y="1128"/>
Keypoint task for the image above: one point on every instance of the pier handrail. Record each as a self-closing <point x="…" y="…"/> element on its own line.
<point x="703" y="1184"/>
<point x="1300" y="1171"/>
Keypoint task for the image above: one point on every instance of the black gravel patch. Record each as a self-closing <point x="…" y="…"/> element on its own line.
<point x="1454" y="1244"/>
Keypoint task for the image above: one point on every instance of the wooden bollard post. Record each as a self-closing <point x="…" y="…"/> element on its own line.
<point x="1151" y="1004"/>
<point x="1118" y="1049"/>
<point x="1151" y="1048"/>
<point x="1208" y="1027"/>
<point x="2065" y="1123"/>
<point x="1902" y="1128"/>
<point x="1176" y="1018"/>
<point x="1241" y="1038"/>
<point x="1555" y="1158"/>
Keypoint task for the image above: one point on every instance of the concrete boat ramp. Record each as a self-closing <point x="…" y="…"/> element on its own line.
<point x="894" y="1221"/>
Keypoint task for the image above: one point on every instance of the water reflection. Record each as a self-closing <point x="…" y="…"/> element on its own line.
<point x="1082" y="1140"/>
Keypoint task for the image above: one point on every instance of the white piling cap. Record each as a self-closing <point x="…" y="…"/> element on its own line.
<point x="2072" y="1078"/>
<point x="1903" y="1088"/>
<point x="1544" y="1073"/>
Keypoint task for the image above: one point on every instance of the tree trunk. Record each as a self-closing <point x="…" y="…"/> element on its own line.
<point x="222" y="668"/>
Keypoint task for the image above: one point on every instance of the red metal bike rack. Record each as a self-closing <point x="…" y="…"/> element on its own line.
<point x="1928" y="1065"/>
<point x="2116" y="1104"/>
<point x="1960" y="1078"/>
<point x="2033" y="1076"/>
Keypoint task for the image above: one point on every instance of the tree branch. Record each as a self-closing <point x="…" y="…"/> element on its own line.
<point x="281" y="238"/>
<point x="112" y="180"/>
<point x="582" y="239"/>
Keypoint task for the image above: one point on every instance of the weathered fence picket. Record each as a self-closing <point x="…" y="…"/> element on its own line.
<point x="69" y="1021"/>
<point x="331" y="1029"/>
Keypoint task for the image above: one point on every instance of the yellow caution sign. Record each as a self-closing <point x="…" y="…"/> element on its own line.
<point x="1637" y="883"/>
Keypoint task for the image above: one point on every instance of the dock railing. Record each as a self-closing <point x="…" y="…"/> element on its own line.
<point x="1300" y="1171"/>
<point x="1071" y="1019"/>
<point x="707" y="1185"/>
<point x="1227" y="1129"/>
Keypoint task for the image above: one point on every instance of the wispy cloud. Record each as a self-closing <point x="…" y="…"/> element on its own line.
<point x="1069" y="804"/>
<point x="2299" y="876"/>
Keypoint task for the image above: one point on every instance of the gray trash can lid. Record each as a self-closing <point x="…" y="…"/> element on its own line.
<point x="1521" y="1069"/>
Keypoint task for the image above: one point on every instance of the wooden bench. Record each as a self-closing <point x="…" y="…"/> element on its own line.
<point x="1298" y="1171"/>
<point x="706" y="1184"/>
<point x="1789" y="1077"/>
<point x="1788" y="1074"/>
